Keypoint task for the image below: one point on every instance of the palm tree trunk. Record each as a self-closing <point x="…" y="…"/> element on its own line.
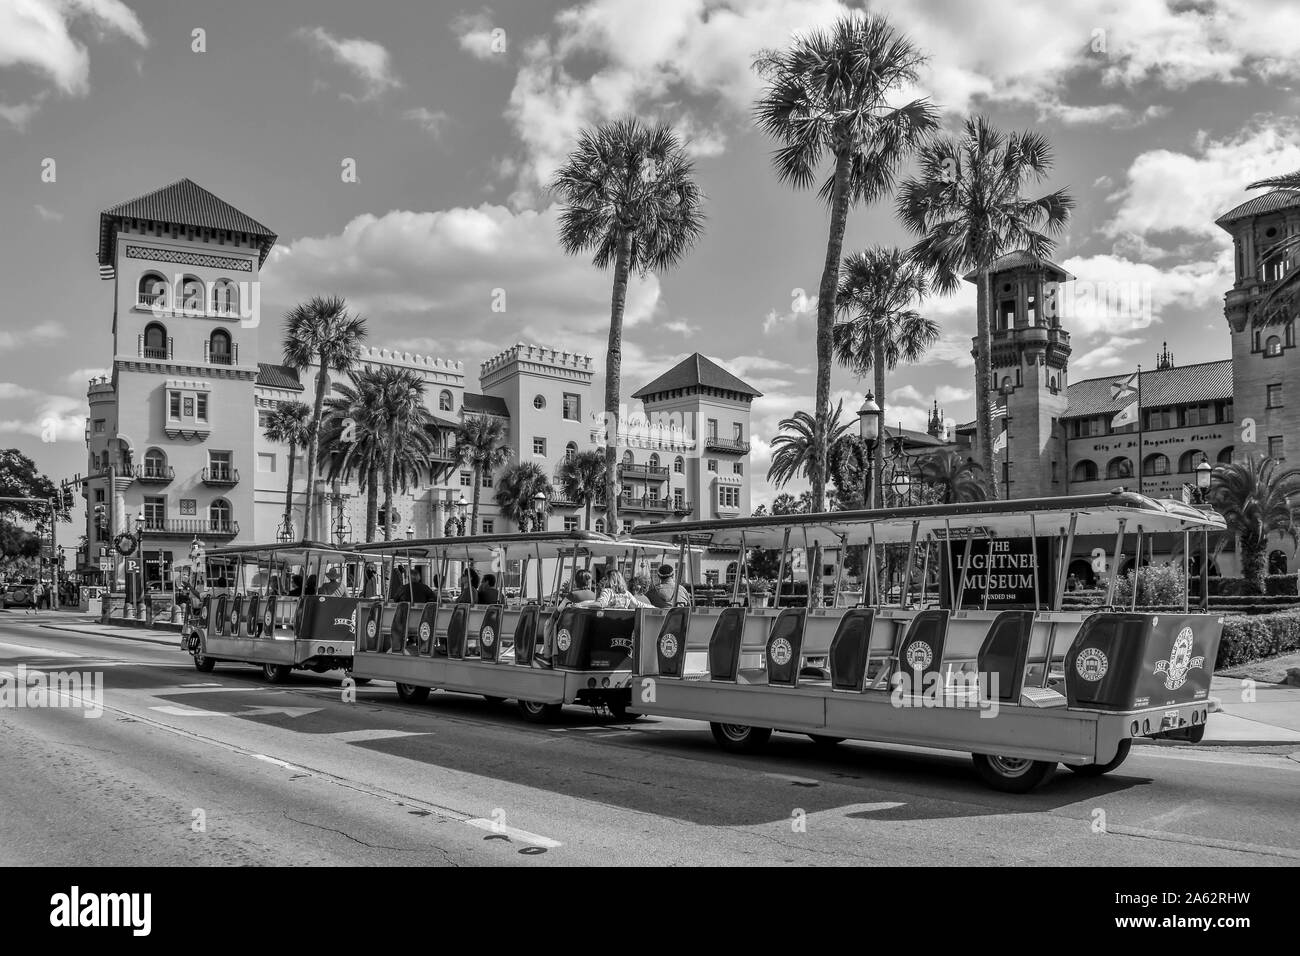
<point x="478" y="487"/>
<point x="878" y="453"/>
<point x="983" y="377"/>
<point x="288" y="491"/>
<point x="389" y="455"/>
<point x="1253" y="561"/>
<point x="826" y="322"/>
<point x="613" y="377"/>
<point x="588" y="509"/>
<point x="313" y="440"/>
<point x="372" y="503"/>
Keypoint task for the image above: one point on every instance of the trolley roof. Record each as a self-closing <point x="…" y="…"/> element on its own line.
<point x="547" y="544"/>
<point x="282" y="551"/>
<point x="1096" y="514"/>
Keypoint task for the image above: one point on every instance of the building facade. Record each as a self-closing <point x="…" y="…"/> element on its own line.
<point x="176" y="440"/>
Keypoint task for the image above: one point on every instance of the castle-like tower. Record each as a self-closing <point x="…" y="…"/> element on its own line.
<point x="1265" y="361"/>
<point x="1030" y="362"/>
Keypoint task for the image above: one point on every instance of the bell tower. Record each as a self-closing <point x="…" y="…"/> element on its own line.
<point x="1029" y="367"/>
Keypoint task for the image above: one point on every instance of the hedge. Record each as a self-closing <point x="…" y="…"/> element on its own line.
<point x="1274" y="584"/>
<point x="1250" y="638"/>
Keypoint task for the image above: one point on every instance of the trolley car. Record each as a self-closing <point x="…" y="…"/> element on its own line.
<point x="282" y="607"/>
<point x="977" y="653"/>
<point x="536" y="648"/>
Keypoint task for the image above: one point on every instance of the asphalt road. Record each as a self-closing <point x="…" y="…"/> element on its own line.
<point x="222" y="768"/>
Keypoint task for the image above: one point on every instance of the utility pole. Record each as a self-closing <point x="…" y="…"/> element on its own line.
<point x="54" y="553"/>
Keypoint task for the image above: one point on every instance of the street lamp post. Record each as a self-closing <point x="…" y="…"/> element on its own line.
<point x="455" y="526"/>
<point x="1203" y="472"/>
<point x="869" y="431"/>
<point x="142" y="597"/>
<point x="538" y="515"/>
<point x="410" y="532"/>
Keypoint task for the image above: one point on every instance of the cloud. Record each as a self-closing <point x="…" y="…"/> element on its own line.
<point x="19" y="115"/>
<point x="803" y="308"/>
<point x="680" y="327"/>
<point x="432" y="122"/>
<point x="48" y="215"/>
<point x="368" y="61"/>
<point x="1109" y="353"/>
<point x="478" y="35"/>
<point x="946" y="394"/>
<point x="83" y="375"/>
<point x="47" y="417"/>
<point x="40" y="334"/>
<point x="483" y="272"/>
<point x="37" y="35"/>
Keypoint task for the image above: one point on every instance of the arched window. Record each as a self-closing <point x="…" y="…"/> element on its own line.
<point x="1277" y="562"/>
<point x="191" y="296"/>
<point x="1189" y="459"/>
<point x="1225" y="456"/>
<point x="219" y="515"/>
<point x="1119" y="468"/>
<point x="1085" y="471"/>
<point x="225" y="298"/>
<point x="679" y="464"/>
<point x="627" y="458"/>
<point x="600" y="525"/>
<point x="732" y="571"/>
<point x="155" y="341"/>
<point x="152" y="291"/>
<point x="444" y="401"/>
<point x="570" y="451"/>
<point x="219" y="351"/>
<point x="155" y="464"/>
<point x="1273" y="346"/>
<point x="1156" y="464"/>
<point x="654" y="461"/>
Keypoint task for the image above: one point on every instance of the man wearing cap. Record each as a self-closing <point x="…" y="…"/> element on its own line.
<point x="667" y="593"/>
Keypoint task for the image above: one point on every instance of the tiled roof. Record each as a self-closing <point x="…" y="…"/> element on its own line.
<point x="485" y="405"/>
<point x="1269" y="202"/>
<point x="1182" y="385"/>
<point x="696" y="370"/>
<point x="912" y="437"/>
<point x="278" y="376"/>
<point x="1014" y="260"/>
<point x="183" y="203"/>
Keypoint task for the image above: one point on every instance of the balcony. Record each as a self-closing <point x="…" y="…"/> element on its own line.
<point x="728" y="446"/>
<point x="192" y="527"/>
<point x="220" y="476"/>
<point x="653" y="505"/>
<point x="221" y="358"/>
<point x="154" y="474"/>
<point x="151" y="300"/>
<point x="161" y="353"/>
<point x="652" y="472"/>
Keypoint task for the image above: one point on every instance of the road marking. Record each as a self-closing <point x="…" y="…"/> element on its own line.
<point x="872" y="807"/>
<point x="362" y="736"/>
<point x="184" y="710"/>
<point x="203" y="685"/>
<point x="519" y="836"/>
<point x="47" y="651"/>
<point x="790" y="778"/>
<point x="181" y="710"/>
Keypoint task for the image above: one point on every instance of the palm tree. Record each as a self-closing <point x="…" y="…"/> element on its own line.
<point x="1256" y="502"/>
<point x="876" y="293"/>
<point x="827" y="98"/>
<point x="956" y="478"/>
<point x="288" y="426"/>
<point x="350" y="440"/>
<point x="481" y="445"/>
<point x="582" y="479"/>
<point x="966" y="206"/>
<point x="518" y="486"/>
<point x="404" y="436"/>
<point x="630" y="198"/>
<point x="320" y="332"/>
<point x="795" y="449"/>
<point x="1274" y="308"/>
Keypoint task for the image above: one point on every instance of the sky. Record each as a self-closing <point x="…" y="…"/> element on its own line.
<point x="455" y="117"/>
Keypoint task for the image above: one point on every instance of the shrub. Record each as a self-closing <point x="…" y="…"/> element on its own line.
<point x="1250" y="638"/>
<point x="1159" y="584"/>
<point x="1280" y="584"/>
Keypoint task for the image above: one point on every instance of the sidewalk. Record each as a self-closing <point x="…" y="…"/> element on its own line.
<point x="1271" y="719"/>
<point x="169" y="638"/>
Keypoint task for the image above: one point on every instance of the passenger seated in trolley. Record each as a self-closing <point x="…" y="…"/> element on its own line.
<point x="332" y="587"/>
<point x="487" y="592"/>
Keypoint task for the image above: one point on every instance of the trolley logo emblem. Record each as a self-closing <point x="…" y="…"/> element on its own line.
<point x="371" y="628"/>
<point x="234" y="618"/>
<point x="919" y="655"/>
<point x="781" y="651"/>
<point x="269" y="620"/>
<point x="425" y="630"/>
<point x="1091" y="664"/>
<point x="668" y="645"/>
<point x="1181" y="662"/>
<point x="351" y="624"/>
<point x="563" y="639"/>
<point x="488" y="636"/>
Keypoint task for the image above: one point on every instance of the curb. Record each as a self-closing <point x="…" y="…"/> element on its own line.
<point x="126" y="637"/>
<point x="1146" y="741"/>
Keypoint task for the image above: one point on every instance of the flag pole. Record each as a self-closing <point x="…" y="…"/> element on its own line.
<point x="1139" y="415"/>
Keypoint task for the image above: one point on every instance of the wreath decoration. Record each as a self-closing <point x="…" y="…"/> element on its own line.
<point x="125" y="543"/>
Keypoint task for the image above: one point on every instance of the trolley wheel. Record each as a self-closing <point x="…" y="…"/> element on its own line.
<point x="538" y="713"/>
<point x="412" y="694"/>
<point x="740" y="738"/>
<point x="1097" y="769"/>
<point x="821" y="740"/>
<point x="497" y="701"/>
<point x="202" y="663"/>
<point x="1012" y="774"/>
<point x="276" y="673"/>
<point x="1196" y="733"/>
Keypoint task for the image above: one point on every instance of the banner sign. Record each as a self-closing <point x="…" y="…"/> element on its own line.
<point x="1007" y="564"/>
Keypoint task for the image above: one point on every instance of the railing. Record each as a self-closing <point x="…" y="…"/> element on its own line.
<point x="221" y="475"/>
<point x="738" y="446"/>
<point x="645" y="503"/>
<point x="202" y="527"/>
<point x="221" y="358"/>
<point x="154" y="474"/>
<point x="154" y="351"/>
<point x="151" y="300"/>
<point x="643" y="471"/>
